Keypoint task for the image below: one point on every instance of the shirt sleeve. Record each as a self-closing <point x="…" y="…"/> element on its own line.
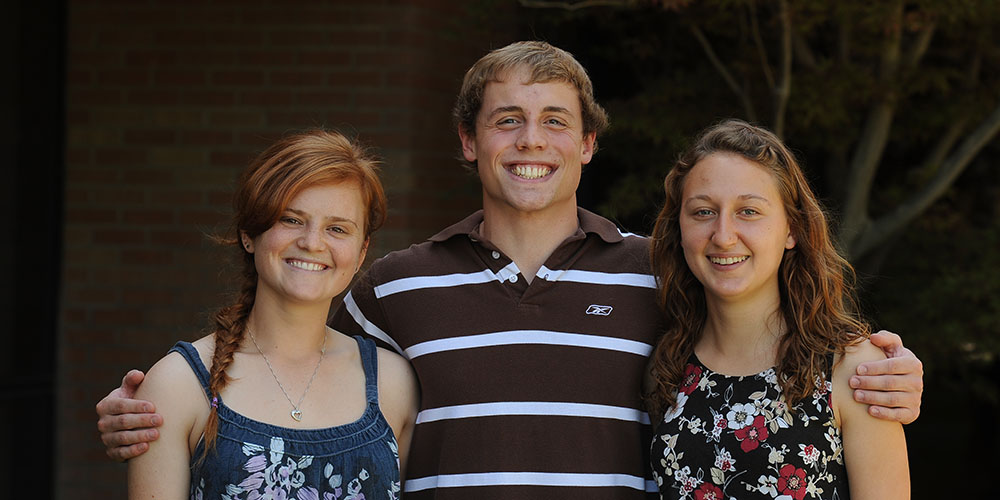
<point x="361" y="313"/>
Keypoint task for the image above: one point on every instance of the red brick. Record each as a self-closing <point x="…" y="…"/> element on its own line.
<point x="152" y="57"/>
<point x="186" y="78"/>
<point x="206" y="137"/>
<point x="91" y="216"/>
<point x="267" y="98"/>
<point x="242" y="78"/>
<point x="118" y="156"/>
<point x="236" y="38"/>
<point x="200" y="217"/>
<point x="148" y="217"/>
<point x="326" y="58"/>
<point x="164" y="237"/>
<point x="355" y="37"/>
<point x="152" y="97"/>
<point x="202" y="97"/>
<point x="297" y="37"/>
<point x="77" y="156"/>
<point x="229" y="158"/>
<point x="118" y="236"/>
<point x="296" y="119"/>
<point x="296" y="78"/>
<point x="117" y="316"/>
<point x="150" y="137"/>
<point x="354" y="79"/>
<point x="180" y="37"/>
<point x="146" y="257"/>
<point x="326" y="98"/>
<point x="123" y="77"/>
<point x="172" y="197"/>
<point x="94" y="96"/>
<point x="273" y="58"/>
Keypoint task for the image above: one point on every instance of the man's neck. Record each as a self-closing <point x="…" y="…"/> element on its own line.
<point x="529" y="238"/>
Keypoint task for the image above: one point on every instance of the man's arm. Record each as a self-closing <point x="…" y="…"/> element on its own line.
<point x="127" y="425"/>
<point x="893" y="386"/>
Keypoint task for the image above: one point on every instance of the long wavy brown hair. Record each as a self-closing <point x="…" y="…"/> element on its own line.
<point x="263" y="191"/>
<point x="816" y="285"/>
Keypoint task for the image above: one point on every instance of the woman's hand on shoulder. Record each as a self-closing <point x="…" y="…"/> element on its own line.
<point x="399" y="398"/>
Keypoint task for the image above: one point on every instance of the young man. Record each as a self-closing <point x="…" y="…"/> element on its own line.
<point x="529" y="322"/>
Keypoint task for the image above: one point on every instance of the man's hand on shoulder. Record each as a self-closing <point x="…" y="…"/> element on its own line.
<point x="127" y="425"/>
<point x="892" y="387"/>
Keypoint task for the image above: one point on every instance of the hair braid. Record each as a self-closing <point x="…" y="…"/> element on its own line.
<point x="230" y="329"/>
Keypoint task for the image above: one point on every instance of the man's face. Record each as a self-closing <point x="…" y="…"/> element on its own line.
<point x="529" y="145"/>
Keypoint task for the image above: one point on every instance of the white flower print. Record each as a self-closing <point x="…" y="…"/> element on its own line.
<point x="741" y="415"/>
<point x="677" y="409"/>
<point x="724" y="460"/>
<point x="809" y="453"/>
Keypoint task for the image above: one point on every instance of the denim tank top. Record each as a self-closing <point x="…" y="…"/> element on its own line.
<point x="255" y="460"/>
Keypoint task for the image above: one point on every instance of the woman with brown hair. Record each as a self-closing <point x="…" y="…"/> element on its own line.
<point x="749" y="385"/>
<point x="287" y="408"/>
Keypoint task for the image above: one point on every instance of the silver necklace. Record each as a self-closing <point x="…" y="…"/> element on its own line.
<point x="296" y="413"/>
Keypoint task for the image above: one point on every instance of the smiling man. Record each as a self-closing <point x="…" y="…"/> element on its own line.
<point x="528" y="323"/>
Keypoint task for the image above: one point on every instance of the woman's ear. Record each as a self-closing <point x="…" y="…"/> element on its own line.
<point x="246" y="241"/>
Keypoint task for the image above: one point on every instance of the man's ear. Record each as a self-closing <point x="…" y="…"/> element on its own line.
<point x="468" y="143"/>
<point x="588" y="147"/>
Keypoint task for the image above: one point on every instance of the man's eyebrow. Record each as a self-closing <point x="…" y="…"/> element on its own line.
<point x="519" y="109"/>
<point x="506" y="109"/>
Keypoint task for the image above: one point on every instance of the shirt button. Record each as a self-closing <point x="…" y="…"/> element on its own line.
<point x="496" y="255"/>
<point x="513" y="279"/>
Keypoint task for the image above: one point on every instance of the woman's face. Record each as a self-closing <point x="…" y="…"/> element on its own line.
<point x="734" y="230"/>
<point x="313" y="251"/>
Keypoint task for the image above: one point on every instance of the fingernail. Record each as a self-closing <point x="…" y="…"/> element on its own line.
<point x="862" y="370"/>
<point x="146" y="407"/>
<point x="859" y="395"/>
<point x="855" y="382"/>
<point x="156" y="420"/>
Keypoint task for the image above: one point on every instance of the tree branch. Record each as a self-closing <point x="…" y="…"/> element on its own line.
<point x="946" y="175"/>
<point x="706" y="46"/>
<point x="759" y="43"/>
<point x="583" y="4"/>
<point x="783" y="90"/>
<point x="871" y="143"/>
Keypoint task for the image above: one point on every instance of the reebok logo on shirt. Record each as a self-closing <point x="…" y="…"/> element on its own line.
<point x="599" y="310"/>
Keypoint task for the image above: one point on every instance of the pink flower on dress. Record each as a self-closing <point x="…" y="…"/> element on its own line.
<point x="752" y="435"/>
<point x="792" y="481"/>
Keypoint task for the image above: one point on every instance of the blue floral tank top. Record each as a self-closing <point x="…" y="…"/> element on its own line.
<point x="736" y="437"/>
<point x="254" y="460"/>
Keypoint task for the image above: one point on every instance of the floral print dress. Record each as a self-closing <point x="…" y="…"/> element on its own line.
<point x="735" y="437"/>
<point x="258" y="461"/>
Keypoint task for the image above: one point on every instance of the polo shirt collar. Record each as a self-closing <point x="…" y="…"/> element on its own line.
<point x="590" y="223"/>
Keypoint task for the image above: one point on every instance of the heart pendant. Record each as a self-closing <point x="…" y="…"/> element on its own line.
<point x="297" y="415"/>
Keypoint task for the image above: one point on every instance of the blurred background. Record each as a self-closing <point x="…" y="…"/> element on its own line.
<point x="126" y="122"/>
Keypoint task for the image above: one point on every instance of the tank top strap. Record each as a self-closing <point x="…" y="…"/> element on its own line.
<point x="193" y="359"/>
<point x="369" y="361"/>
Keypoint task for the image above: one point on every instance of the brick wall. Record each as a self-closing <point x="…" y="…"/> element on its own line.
<point x="167" y="101"/>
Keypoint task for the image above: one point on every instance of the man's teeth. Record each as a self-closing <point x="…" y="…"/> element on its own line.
<point x="531" y="172"/>
<point x="308" y="266"/>
<point x="728" y="260"/>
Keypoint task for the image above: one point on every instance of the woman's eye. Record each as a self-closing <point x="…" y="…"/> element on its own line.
<point x="289" y="220"/>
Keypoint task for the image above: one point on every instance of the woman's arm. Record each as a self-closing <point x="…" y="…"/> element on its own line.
<point x="874" y="449"/>
<point x="399" y="398"/>
<point x="163" y="472"/>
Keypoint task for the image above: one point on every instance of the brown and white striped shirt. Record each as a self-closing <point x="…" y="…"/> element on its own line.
<point x="528" y="391"/>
